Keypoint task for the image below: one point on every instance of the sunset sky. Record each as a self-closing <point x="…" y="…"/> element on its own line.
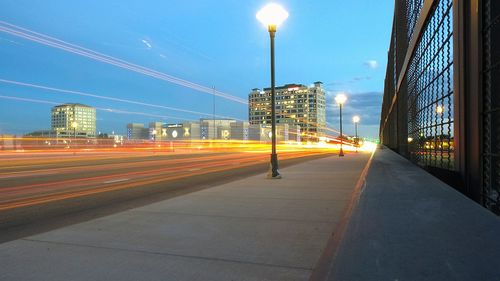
<point x="202" y="43"/>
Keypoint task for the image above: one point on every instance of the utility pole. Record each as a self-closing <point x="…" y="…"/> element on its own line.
<point x="215" y="128"/>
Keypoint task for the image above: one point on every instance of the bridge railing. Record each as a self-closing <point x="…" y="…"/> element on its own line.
<point x="441" y="105"/>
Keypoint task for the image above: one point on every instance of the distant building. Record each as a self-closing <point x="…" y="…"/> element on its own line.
<point x="239" y="131"/>
<point x="208" y="129"/>
<point x="284" y="133"/>
<point x="155" y="131"/>
<point x="296" y="105"/>
<point x="215" y="129"/>
<point x="8" y="142"/>
<point x="42" y="134"/>
<point x="74" y="120"/>
<point x="136" y="131"/>
<point x="184" y="131"/>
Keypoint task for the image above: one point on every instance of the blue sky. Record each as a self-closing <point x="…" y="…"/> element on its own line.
<point x="211" y="43"/>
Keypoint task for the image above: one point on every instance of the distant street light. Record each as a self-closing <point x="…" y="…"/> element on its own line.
<point x="271" y="16"/>
<point x="154" y="132"/>
<point x="356" y="119"/>
<point x="440" y="111"/>
<point x="74" y="125"/>
<point x="340" y="99"/>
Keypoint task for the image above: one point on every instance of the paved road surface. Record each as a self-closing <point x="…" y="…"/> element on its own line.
<point x="42" y="191"/>
<point x="248" y="229"/>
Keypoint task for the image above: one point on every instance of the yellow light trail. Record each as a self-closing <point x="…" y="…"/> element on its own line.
<point x="21" y="195"/>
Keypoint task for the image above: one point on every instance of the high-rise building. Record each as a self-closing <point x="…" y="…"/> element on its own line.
<point x="74" y="120"/>
<point x="296" y="104"/>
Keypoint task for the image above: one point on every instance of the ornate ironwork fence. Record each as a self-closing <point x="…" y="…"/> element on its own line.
<point x="441" y="105"/>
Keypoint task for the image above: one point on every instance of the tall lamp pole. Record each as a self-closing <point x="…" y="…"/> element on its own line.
<point x="271" y="16"/>
<point x="356" y="119"/>
<point x="74" y="125"/>
<point x="340" y="99"/>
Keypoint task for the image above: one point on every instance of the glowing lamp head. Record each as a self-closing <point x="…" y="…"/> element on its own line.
<point x="439" y="109"/>
<point x="355" y="119"/>
<point x="272" y="15"/>
<point x="74" y="125"/>
<point x="340" y="98"/>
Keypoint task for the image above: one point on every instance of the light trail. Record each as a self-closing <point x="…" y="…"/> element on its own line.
<point x="106" y="166"/>
<point x="37" y="153"/>
<point x="63" y="45"/>
<point x="114" y="110"/>
<point x="179" y="165"/>
<point x="119" y="111"/>
<point x="55" y="190"/>
<point x="109" y="98"/>
<point x="37" y="180"/>
<point x="85" y="52"/>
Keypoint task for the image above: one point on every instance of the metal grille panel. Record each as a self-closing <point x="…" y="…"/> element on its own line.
<point x="413" y="8"/>
<point x="491" y="105"/>
<point x="430" y="92"/>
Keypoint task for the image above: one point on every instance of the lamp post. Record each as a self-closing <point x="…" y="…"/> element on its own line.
<point x="340" y="99"/>
<point x="74" y="125"/>
<point x="271" y="16"/>
<point x="356" y="119"/>
<point x="439" y="111"/>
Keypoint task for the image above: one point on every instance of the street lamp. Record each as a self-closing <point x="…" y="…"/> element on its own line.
<point x="356" y="119"/>
<point x="340" y="99"/>
<point x="271" y="16"/>
<point x="74" y="125"/>
<point x="439" y="111"/>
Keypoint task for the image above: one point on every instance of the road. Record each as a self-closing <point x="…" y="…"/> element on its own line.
<point x="42" y="191"/>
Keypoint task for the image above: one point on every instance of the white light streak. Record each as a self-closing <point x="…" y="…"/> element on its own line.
<point x="109" y="98"/>
<point x="75" y="49"/>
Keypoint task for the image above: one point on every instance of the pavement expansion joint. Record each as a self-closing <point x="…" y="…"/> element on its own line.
<point x="169" y="254"/>
<point x="266" y="198"/>
<point x="234" y="217"/>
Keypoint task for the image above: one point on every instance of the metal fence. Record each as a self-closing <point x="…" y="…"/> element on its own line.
<point x="491" y="104"/>
<point x="441" y="105"/>
<point x="430" y="92"/>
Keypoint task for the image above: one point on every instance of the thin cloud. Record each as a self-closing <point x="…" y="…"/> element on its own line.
<point x="372" y="64"/>
<point x="360" y="78"/>
<point x="365" y="104"/>
<point x="11" y="41"/>
<point x="147" y="44"/>
<point x="348" y="83"/>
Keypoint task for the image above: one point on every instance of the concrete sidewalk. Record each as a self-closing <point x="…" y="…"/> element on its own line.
<point x="409" y="225"/>
<point x="251" y="229"/>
